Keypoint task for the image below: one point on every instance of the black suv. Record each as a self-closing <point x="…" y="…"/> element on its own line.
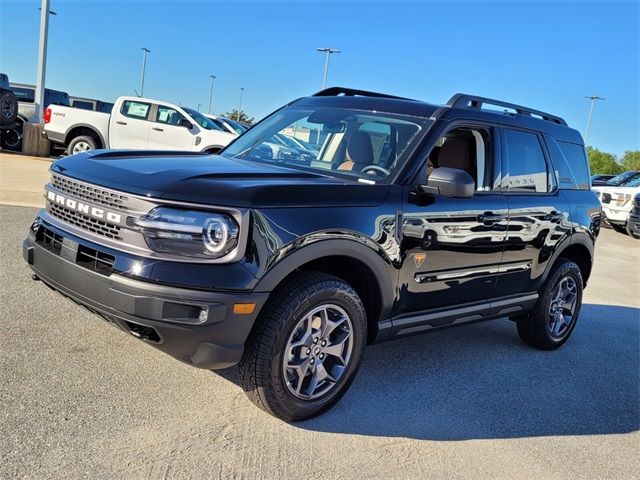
<point x="410" y="218"/>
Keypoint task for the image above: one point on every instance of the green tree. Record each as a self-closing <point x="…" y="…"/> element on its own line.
<point x="631" y="160"/>
<point x="602" y="162"/>
<point x="243" y="117"/>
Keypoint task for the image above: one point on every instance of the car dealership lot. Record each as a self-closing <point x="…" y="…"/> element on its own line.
<point x="79" y="398"/>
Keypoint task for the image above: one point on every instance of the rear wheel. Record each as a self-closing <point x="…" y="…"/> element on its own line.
<point x="11" y="139"/>
<point x="8" y="107"/>
<point x="307" y="347"/>
<point x="80" y="144"/>
<point x="554" y="317"/>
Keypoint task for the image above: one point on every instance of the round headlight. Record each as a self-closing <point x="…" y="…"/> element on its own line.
<point x="216" y="236"/>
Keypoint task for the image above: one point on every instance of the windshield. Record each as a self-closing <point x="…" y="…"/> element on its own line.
<point x="634" y="182"/>
<point x="622" y="178"/>
<point x="239" y="128"/>
<point x="201" y="120"/>
<point x="363" y="144"/>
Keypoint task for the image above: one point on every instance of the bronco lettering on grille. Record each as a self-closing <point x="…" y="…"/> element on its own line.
<point x="84" y="208"/>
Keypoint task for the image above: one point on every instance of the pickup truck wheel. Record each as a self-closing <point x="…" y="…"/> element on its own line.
<point x="306" y="347"/>
<point x="629" y="227"/>
<point x="11" y="139"/>
<point x="80" y="144"/>
<point x="554" y="317"/>
<point x="8" y="107"/>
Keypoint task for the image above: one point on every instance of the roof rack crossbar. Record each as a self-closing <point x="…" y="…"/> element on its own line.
<point x="352" y="92"/>
<point x="462" y="100"/>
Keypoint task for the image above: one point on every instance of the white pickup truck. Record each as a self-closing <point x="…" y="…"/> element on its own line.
<point x="134" y="123"/>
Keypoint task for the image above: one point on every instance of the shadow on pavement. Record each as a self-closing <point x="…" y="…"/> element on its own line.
<point x="480" y="381"/>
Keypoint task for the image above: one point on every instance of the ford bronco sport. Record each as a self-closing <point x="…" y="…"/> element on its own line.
<point x="411" y="218"/>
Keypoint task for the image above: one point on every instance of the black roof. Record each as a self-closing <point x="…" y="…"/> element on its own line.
<point x="460" y="105"/>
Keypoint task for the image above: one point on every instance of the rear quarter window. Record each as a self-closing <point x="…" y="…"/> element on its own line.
<point x="576" y="159"/>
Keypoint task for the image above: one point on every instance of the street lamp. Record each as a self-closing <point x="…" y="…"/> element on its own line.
<point x="240" y="107"/>
<point x="328" y="52"/>
<point x="145" y="50"/>
<point x="42" y="56"/>
<point x="212" y="77"/>
<point x="199" y="105"/>
<point x="593" y="99"/>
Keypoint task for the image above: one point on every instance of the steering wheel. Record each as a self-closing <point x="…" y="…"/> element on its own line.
<point x="375" y="169"/>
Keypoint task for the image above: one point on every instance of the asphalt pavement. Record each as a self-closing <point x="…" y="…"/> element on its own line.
<point x="81" y="399"/>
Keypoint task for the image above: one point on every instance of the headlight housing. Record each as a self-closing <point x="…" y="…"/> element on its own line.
<point x="620" y="199"/>
<point x="191" y="233"/>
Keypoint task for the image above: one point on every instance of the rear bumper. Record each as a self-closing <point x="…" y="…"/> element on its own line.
<point x="171" y="319"/>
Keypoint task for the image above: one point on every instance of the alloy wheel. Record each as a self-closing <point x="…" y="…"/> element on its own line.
<point x="562" y="307"/>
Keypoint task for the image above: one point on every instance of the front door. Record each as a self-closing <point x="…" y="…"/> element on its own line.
<point x="167" y="131"/>
<point x="452" y="247"/>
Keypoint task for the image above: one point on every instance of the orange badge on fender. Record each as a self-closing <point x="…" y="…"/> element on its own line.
<point x="419" y="259"/>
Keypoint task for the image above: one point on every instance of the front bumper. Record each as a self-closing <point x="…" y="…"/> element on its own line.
<point x="169" y="318"/>
<point x="615" y="215"/>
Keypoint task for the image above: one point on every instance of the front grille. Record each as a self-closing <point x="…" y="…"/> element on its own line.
<point x="49" y="240"/>
<point x="91" y="193"/>
<point x="95" y="260"/>
<point x="84" y="222"/>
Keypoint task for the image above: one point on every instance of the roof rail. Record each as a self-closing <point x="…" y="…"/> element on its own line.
<point x="352" y="92"/>
<point x="463" y="100"/>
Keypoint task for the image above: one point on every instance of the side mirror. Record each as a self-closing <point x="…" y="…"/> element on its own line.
<point x="449" y="182"/>
<point x="186" y="124"/>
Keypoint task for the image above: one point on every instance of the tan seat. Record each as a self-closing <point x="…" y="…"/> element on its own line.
<point x="359" y="153"/>
<point x="456" y="153"/>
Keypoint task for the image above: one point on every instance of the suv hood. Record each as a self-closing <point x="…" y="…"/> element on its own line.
<point x="215" y="180"/>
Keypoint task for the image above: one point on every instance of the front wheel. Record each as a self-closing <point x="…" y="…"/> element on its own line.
<point x="554" y="317"/>
<point x="631" y="232"/>
<point x="80" y="144"/>
<point x="306" y="348"/>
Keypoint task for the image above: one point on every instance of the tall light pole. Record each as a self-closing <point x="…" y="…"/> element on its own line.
<point x="199" y="105"/>
<point x="42" y="56"/>
<point x="240" y="107"/>
<point x="593" y="99"/>
<point x="145" y="50"/>
<point x="328" y="51"/>
<point x="212" y="77"/>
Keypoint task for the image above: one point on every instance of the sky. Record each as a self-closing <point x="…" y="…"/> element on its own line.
<point x="543" y="54"/>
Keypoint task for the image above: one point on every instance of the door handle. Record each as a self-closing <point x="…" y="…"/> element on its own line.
<point x="489" y="217"/>
<point x="119" y="122"/>
<point x="157" y="129"/>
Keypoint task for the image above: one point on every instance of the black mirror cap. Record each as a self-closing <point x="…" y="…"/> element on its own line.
<point x="449" y="182"/>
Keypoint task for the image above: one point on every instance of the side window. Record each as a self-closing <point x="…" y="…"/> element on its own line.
<point x="526" y="163"/>
<point x="381" y="141"/>
<point x="133" y="109"/>
<point x="576" y="158"/>
<point x="218" y="125"/>
<point x="83" y="105"/>
<point x="168" y="116"/>
<point x="469" y="149"/>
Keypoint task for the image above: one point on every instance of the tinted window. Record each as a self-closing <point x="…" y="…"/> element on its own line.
<point x="24" y="94"/>
<point x="83" y="105"/>
<point x="527" y="166"/>
<point x="104" y="107"/>
<point x="54" y="97"/>
<point x="133" y="109"/>
<point x="577" y="160"/>
<point x="168" y="116"/>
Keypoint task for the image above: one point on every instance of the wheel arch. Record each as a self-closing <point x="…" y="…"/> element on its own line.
<point x="212" y="149"/>
<point x="579" y="250"/>
<point x="362" y="267"/>
<point x="83" y="129"/>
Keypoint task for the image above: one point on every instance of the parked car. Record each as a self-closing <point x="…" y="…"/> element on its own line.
<point x="228" y="125"/>
<point x="600" y="179"/>
<point x="91" y="104"/>
<point x="134" y="123"/>
<point x="633" y="222"/>
<point x="618" y="202"/>
<point x="25" y="93"/>
<point x="620" y="179"/>
<point x="8" y="102"/>
<point x="289" y="269"/>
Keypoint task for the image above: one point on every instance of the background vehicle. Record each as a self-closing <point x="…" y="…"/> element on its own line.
<point x="407" y="221"/>
<point x="91" y="104"/>
<point x="618" y="180"/>
<point x="12" y="137"/>
<point x="618" y="202"/>
<point x="633" y="222"/>
<point x="134" y="123"/>
<point x="228" y="125"/>
<point x="600" y="179"/>
<point x="8" y="102"/>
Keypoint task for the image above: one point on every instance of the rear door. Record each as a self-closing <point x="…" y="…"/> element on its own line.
<point x="129" y="125"/>
<point x="167" y="133"/>
<point x="451" y="248"/>
<point x="539" y="214"/>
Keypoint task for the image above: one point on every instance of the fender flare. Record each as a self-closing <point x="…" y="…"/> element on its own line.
<point x="576" y="238"/>
<point x="374" y="260"/>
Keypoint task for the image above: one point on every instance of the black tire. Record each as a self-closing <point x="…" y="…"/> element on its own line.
<point x="619" y="228"/>
<point x="11" y="139"/>
<point x="83" y="143"/>
<point x="261" y="370"/>
<point x="630" y="231"/>
<point x="534" y="328"/>
<point x="8" y="107"/>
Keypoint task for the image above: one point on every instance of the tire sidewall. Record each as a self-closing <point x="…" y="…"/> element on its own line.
<point x="82" y="138"/>
<point x="566" y="269"/>
<point x="353" y="306"/>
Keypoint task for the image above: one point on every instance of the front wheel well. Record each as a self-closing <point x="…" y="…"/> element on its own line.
<point x="581" y="256"/>
<point x="79" y="131"/>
